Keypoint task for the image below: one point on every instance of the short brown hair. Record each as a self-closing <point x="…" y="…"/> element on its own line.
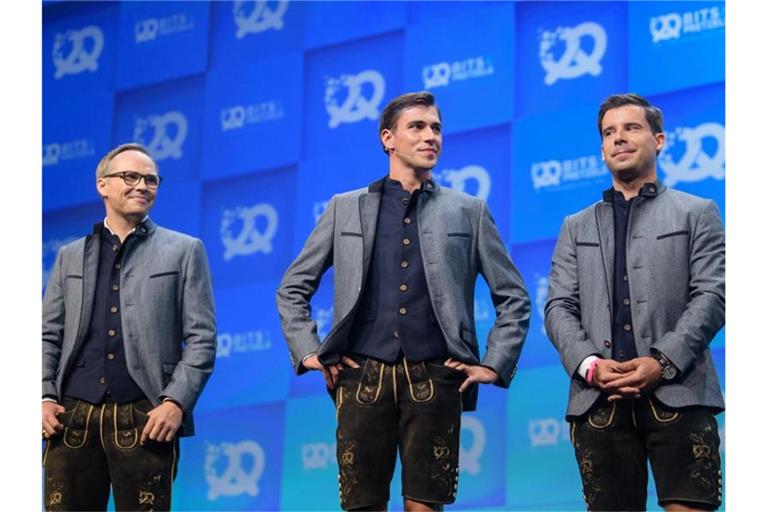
<point x="103" y="166"/>
<point x="394" y="108"/>
<point x="652" y="114"/>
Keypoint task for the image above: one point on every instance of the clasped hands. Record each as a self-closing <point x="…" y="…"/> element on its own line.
<point x="475" y="373"/>
<point x="629" y="379"/>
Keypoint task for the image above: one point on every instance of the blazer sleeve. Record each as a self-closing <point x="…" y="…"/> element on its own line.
<point x="298" y="286"/>
<point x="704" y="314"/>
<point x="53" y="327"/>
<point x="510" y="299"/>
<point x="563" y="308"/>
<point x="198" y="319"/>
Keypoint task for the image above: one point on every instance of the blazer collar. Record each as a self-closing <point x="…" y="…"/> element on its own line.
<point x="377" y="187"/>
<point x="649" y="190"/>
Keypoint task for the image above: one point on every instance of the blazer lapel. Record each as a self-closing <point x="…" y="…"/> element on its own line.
<point x="369" y="214"/>
<point x="90" y="274"/>
<point x="604" y="219"/>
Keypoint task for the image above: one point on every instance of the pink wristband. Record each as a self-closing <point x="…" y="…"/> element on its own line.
<point x="591" y="371"/>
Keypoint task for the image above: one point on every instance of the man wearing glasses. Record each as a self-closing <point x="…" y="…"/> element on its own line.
<point x="118" y="385"/>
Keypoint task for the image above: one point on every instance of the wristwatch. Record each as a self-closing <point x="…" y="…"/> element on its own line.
<point x="668" y="370"/>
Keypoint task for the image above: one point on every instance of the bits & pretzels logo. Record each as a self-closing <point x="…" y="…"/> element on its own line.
<point x="458" y="179"/>
<point x="235" y="117"/>
<point x="574" y="61"/>
<point x="443" y="73"/>
<point x="229" y="343"/>
<point x="55" y="153"/>
<point x="250" y="239"/>
<point x="149" y="29"/>
<point x="168" y="132"/>
<point x="318" y="455"/>
<point x="469" y="458"/>
<point x="254" y="17"/>
<point x="238" y="477"/>
<point x="557" y="173"/>
<point x="675" y="25"/>
<point x="547" y="432"/>
<point x="356" y="106"/>
<point x="704" y="155"/>
<point x="75" y="51"/>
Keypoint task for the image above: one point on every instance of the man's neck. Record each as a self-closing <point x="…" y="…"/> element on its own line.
<point x="122" y="226"/>
<point x="632" y="188"/>
<point x="410" y="179"/>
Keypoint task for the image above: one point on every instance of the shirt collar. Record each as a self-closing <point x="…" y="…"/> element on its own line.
<point x="649" y="190"/>
<point x="131" y="231"/>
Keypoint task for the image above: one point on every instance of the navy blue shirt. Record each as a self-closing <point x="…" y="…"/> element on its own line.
<point x="100" y="365"/>
<point x="622" y="330"/>
<point x="395" y="317"/>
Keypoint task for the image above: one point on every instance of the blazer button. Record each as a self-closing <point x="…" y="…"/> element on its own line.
<point x="103" y="380"/>
<point x="607" y="343"/>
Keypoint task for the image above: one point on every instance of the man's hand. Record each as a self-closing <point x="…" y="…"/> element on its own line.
<point x="164" y="421"/>
<point x="330" y="372"/>
<point x="640" y="375"/>
<point x="475" y="373"/>
<point x="607" y="372"/>
<point x="51" y="424"/>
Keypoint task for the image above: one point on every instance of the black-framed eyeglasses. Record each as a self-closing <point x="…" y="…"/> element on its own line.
<point x="132" y="178"/>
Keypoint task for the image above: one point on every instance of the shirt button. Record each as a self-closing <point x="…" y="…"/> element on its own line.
<point x="403" y="287"/>
<point x="404" y="264"/>
<point x="405" y="202"/>
<point x="110" y="356"/>
<point x="403" y="311"/>
<point x="406" y="241"/>
<point x="111" y="332"/>
<point x="625" y="277"/>
<point x="626" y="302"/>
<point x="117" y="266"/>
<point x="627" y="327"/>
<point x="115" y="287"/>
<point x="103" y="380"/>
<point x="114" y="248"/>
<point x="113" y="309"/>
<point x="396" y="334"/>
<point x="607" y="343"/>
<point x="407" y="220"/>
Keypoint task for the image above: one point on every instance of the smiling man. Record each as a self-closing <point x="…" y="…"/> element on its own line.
<point x="129" y="341"/>
<point x="402" y="360"/>
<point x="636" y="294"/>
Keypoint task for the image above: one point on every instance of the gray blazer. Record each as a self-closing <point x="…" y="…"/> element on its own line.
<point x="676" y="271"/>
<point x="458" y="240"/>
<point x="165" y="299"/>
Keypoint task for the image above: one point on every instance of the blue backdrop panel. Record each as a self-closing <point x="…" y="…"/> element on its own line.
<point x="569" y="53"/>
<point x="250" y="122"/>
<point x="478" y="163"/>
<point x="79" y="46"/>
<point x="420" y="12"/>
<point x="252" y="363"/>
<point x="544" y="475"/>
<point x="309" y="456"/>
<point x="234" y="462"/>
<point x="322" y="177"/>
<point x="167" y="119"/>
<point x="693" y="159"/>
<point x="161" y="41"/>
<point x="482" y="452"/>
<point x="334" y="22"/>
<point x="346" y="89"/>
<point x="167" y="213"/>
<point x="248" y="226"/>
<point x="463" y="70"/>
<point x="554" y="180"/>
<point x="63" y="226"/>
<point x="673" y="45"/>
<point x="71" y="151"/>
<point x="255" y="28"/>
<point x="534" y="261"/>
